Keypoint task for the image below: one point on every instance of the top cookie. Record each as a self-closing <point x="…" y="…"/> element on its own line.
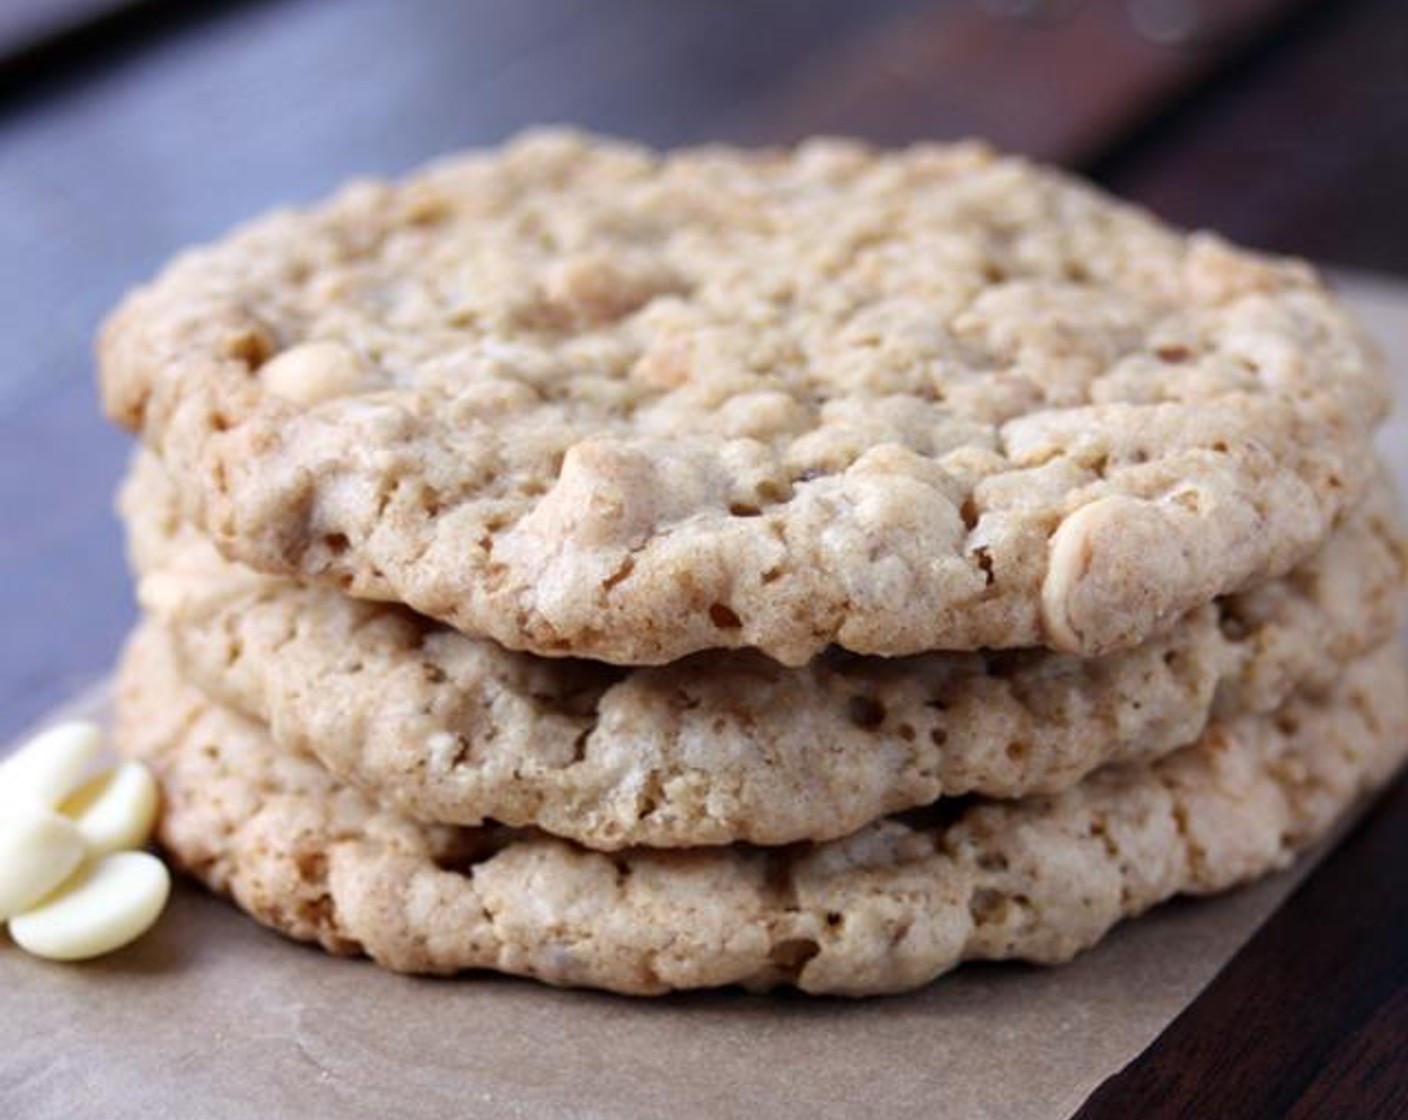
<point x="588" y="400"/>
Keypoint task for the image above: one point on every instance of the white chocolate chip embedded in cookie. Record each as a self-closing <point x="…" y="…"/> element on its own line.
<point x="316" y="371"/>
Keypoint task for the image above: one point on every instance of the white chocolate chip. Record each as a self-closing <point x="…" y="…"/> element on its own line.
<point x="109" y="904"/>
<point x="161" y="593"/>
<point x="50" y="766"/>
<point x="116" y="809"/>
<point x="314" y="372"/>
<point x="38" y="850"/>
<point x="51" y="822"/>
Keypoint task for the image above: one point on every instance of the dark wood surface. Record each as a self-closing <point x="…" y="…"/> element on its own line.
<point x="130" y="129"/>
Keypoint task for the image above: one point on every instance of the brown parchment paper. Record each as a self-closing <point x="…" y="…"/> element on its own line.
<point x="210" y="1016"/>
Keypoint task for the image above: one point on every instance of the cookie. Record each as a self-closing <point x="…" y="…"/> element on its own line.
<point x="724" y="747"/>
<point x="885" y="909"/>
<point x="588" y="400"/>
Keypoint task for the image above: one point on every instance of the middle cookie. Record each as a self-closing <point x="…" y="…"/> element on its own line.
<point x="729" y="746"/>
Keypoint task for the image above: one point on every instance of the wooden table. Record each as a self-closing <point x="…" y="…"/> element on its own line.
<point x="128" y="129"/>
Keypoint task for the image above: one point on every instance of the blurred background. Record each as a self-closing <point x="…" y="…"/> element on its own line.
<point x="130" y="128"/>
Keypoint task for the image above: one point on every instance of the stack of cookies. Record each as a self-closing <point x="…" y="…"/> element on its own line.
<point x="813" y="567"/>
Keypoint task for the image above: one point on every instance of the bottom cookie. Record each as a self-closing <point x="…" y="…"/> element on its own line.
<point x="885" y="909"/>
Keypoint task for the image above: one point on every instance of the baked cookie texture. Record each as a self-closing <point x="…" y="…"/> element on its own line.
<point x="587" y="400"/>
<point x="725" y="747"/>
<point x="883" y="910"/>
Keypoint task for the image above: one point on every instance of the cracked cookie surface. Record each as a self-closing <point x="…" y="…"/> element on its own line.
<point x="886" y="909"/>
<point x="588" y="400"/>
<point x="728" y="746"/>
